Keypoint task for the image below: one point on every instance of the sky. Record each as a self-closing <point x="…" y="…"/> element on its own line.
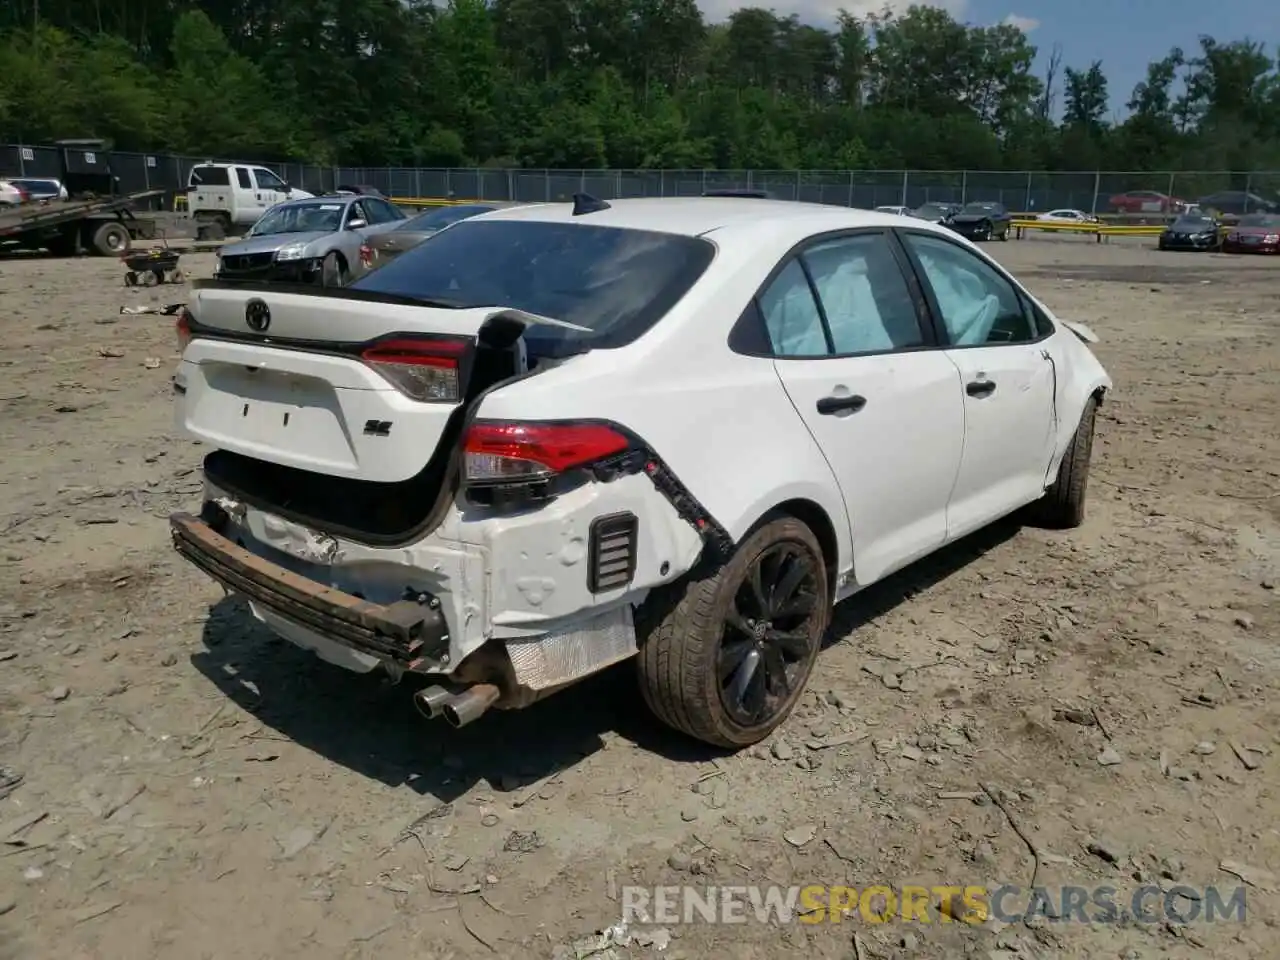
<point x="1124" y="34"/>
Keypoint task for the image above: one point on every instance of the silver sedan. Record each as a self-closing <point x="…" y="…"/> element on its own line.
<point x="325" y="240"/>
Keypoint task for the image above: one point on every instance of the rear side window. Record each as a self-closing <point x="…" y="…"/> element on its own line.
<point x="382" y="212"/>
<point x="438" y="219"/>
<point x="864" y="295"/>
<point x="859" y="301"/>
<point x="791" y="315"/>
<point x="614" y="282"/>
<point x="210" y="177"/>
<point x="242" y="177"/>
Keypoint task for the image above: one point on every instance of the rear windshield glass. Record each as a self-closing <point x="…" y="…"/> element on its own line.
<point x="209" y="177"/>
<point x="615" y="282"/>
<point x="437" y="219"/>
<point x="1260" y="220"/>
<point x="982" y="208"/>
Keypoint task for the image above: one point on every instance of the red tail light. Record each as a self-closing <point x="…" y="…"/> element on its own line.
<point x="182" y="327"/>
<point x="524" y="452"/>
<point x="426" y="368"/>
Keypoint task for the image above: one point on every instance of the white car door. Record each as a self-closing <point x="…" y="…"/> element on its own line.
<point x="1009" y="380"/>
<point x="270" y="188"/>
<point x="859" y="362"/>
<point x="250" y="199"/>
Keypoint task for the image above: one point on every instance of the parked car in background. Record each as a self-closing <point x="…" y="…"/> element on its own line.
<point x="227" y="197"/>
<point x="1066" y="215"/>
<point x="1191" y="231"/>
<point x="1254" y="233"/>
<point x="41" y="189"/>
<point x="1238" y="202"/>
<point x="982" y="220"/>
<point x="896" y="210"/>
<point x="11" y="194"/>
<point x="414" y="230"/>
<point x="321" y="240"/>
<point x="1146" y="201"/>
<point x="936" y="212"/>
<point x="742" y="194"/>
<point x="476" y="464"/>
<point x="361" y="189"/>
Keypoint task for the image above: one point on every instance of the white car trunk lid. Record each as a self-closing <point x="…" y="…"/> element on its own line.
<point x="297" y="393"/>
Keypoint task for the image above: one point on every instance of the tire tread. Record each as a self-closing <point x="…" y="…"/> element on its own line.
<point x="678" y="623"/>
<point x="1063" y="505"/>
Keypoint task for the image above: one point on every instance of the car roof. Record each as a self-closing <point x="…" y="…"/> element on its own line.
<point x="328" y="198"/>
<point x="696" y="216"/>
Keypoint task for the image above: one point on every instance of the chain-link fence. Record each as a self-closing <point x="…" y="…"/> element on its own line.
<point x="1021" y="191"/>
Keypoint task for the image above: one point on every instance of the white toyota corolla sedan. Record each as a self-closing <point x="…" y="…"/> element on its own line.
<point x="555" y="437"/>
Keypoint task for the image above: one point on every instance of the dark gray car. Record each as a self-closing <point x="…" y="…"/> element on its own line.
<point x="981" y="220"/>
<point x="936" y="212"/>
<point x="414" y="230"/>
<point x="324" y="240"/>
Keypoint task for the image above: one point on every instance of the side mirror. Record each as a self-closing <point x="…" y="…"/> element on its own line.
<point x="357" y="224"/>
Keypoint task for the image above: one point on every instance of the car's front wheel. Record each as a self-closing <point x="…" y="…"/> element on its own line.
<point x="1062" y="506"/>
<point x="725" y="654"/>
<point x="333" y="273"/>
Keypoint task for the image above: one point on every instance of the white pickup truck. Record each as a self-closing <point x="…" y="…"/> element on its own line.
<point x="231" y="197"/>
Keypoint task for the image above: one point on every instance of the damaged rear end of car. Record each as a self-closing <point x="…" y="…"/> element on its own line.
<point x="360" y="501"/>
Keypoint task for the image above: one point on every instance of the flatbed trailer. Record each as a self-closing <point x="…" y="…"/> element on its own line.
<point x="104" y="226"/>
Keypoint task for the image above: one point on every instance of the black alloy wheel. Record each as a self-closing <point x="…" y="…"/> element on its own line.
<point x="767" y="640"/>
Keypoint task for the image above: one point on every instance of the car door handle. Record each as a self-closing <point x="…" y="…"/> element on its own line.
<point x="980" y="388"/>
<point x="830" y="405"/>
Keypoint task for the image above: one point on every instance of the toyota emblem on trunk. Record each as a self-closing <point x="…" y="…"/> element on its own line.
<point x="257" y="315"/>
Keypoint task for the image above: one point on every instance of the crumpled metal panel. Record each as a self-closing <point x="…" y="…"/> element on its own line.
<point x="560" y="657"/>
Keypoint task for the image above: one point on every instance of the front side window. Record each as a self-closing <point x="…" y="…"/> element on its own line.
<point x="977" y="304"/>
<point x="356" y="212"/>
<point x="610" y="282"/>
<point x="268" y="180"/>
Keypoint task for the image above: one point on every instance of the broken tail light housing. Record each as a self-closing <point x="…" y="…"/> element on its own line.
<point x="428" y="369"/>
<point x="182" y="330"/>
<point x="524" y="455"/>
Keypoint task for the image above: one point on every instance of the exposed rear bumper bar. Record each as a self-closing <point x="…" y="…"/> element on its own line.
<point x="404" y="632"/>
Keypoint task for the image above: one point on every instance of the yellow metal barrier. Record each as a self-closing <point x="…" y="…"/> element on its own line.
<point x="430" y="201"/>
<point x="1101" y="231"/>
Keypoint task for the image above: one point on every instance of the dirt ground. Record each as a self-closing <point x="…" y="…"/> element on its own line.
<point x="192" y="788"/>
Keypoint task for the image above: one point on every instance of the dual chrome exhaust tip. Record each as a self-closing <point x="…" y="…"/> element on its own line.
<point x="458" y="707"/>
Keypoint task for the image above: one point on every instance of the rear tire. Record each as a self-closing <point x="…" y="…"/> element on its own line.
<point x="1062" y="507"/>
<point x="110" y="240"/>
<point x="725" y="662"/>
<point x="333" y="273"/>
